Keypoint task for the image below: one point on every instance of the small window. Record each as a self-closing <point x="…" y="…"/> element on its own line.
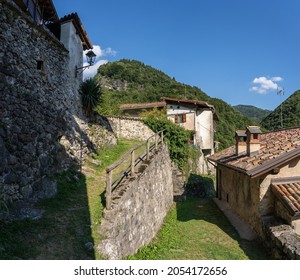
<point x="255" y="136"/>
<point x="40" y="65"/>
<point x="180" y="118"/>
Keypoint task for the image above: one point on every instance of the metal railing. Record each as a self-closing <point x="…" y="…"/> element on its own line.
<point x="113" y="182"/>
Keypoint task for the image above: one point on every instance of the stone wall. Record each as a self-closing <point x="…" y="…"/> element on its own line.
<point x="42" y="126"/>
<point x="138" y="213"/>
<point x="130" y="128"/>
<point x="281" y="239"/>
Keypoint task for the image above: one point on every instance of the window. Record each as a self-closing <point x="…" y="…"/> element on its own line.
<point x="180" y="118"/>
<point x="34" y="10"/>
<point x="40" y="65"/>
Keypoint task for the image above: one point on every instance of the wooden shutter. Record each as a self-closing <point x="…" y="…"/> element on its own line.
<point x="184" y="118"/>
<point x="176" y="118"/>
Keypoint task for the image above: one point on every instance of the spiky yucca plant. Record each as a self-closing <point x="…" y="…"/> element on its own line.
<point x="90" y="95"/>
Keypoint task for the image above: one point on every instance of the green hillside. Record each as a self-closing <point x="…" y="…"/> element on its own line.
<point x="129" y="81"/>
<point x="252" y="112"/>
<point x="290" y="114"/>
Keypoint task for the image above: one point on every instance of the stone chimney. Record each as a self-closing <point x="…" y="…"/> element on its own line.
<point x="253" y="139"/>
<point x="240" y="142"/>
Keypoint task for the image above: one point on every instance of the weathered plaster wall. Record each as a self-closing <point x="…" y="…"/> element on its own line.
<point x="190" y="120"/>
<point x="72" y="42"/>
<point x="242" y="194"/>
<point x="291" y="169"/>
<point x="129" y="128"/>
<point x="252" y="199"/>
<point x="138" y="212"/>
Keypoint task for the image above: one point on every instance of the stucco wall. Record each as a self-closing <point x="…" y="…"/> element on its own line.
<point x="129" y="128"/>
<point x="139" y="212"/>
<point x="205" y="129"/>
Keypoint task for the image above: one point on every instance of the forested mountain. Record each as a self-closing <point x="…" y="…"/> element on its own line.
<point x="290" y="114"/>
<point x="252" y="112"/>
<point x="130" y="81"/>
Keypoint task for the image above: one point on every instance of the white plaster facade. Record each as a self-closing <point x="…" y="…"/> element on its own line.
<point x="197" y="119"/>
<point x="72" y="42"/>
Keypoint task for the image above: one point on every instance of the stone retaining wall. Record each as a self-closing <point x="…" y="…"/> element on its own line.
<point x="130" y="128"/>
<point x="138" y="213"/>
<point x="281" y="239"/>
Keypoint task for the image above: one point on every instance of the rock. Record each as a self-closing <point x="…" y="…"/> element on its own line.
<point x="89" y="246"/>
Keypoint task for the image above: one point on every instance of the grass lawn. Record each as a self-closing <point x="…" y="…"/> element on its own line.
<point x="194" y="229"/>
<point x="197" y="229"/>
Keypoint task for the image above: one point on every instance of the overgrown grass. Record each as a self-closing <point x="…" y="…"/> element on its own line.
<point x="197" y="229"/>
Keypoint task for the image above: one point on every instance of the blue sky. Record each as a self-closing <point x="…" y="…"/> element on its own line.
<point x="236" y="50"/>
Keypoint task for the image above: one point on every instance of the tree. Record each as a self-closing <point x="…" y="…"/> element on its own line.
<point x="90" y="95"/>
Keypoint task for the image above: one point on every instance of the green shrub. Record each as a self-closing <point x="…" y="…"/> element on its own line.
<point x="176" y="137"/>
<point x="90" y="95"/>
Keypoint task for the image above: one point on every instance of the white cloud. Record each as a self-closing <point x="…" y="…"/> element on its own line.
<point x="100" y="54"/>
<point x="263" y="85"/>
<point x="277" y="79"/>
<point x="92" y="70"/>
<point x="110" y="51"/>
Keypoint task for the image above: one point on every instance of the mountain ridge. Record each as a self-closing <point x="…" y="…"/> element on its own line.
<point x="290" y="114"/>
<point x="252" y="112"/>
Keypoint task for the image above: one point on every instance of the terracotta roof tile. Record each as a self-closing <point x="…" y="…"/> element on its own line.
<point x="274" y="147"/>
<point x="289" y="195"/>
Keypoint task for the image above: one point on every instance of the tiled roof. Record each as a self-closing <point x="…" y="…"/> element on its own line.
<point x="276" y="148"/>
<point x="289" y="194"/>
<point x="133" y="106"/>
<point x="196" y="102"/>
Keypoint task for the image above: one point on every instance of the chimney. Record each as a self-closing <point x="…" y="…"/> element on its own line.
<point x="240" y="142"/>
<point x="253" y="139"/>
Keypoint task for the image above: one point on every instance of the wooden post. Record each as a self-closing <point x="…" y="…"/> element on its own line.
<point x="156" y="141"/>
<point x="132" y="163"/>
<point x="148" y="149"/>
<point x="108" y="189"/>
<point x="162" y="137"/>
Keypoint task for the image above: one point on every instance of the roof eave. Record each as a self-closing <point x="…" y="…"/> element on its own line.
<point x="268" y="166"/>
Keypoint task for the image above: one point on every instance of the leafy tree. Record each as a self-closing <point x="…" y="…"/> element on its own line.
<point x="90" y="95"/>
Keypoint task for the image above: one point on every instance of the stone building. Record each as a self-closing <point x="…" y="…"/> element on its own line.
<point x="42" y="126"/>
<point x="194" y="115"/>
<point x="197" y="116"/>
<point x="259" y="176"/>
